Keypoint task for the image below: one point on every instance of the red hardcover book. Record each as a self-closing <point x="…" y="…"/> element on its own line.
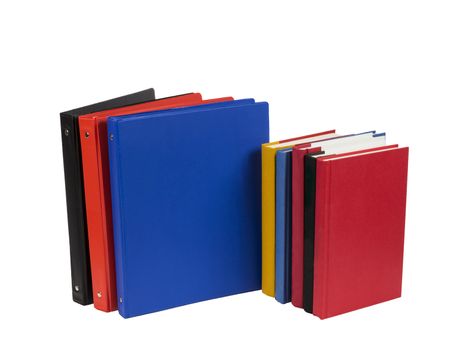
<point x="95" y="159"/>
<point x="298" y="153"/>
<point x="359" y="229"/>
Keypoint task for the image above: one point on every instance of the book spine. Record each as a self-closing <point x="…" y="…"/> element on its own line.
<point x="268" y="221"/>
<point x="279" y="226"/>
<point x="288" y="229"/>
<point x="321" y="254"/>
<point x="115" y="184"/>
<point x="297" y="226"/>
<point x="309" y="233"/>
<point x="78" y="242"/>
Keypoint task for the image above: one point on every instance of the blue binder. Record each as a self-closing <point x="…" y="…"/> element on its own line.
<point x="283" y="224"/>
<point x="186" y="190"/>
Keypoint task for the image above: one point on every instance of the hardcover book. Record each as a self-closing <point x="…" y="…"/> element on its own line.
<point x="359" y="229"/>
<point x="343" y="144"/>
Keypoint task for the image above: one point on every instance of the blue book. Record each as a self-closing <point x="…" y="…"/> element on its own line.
<point x="186" y="199"/>
<point x="283" y="224"/>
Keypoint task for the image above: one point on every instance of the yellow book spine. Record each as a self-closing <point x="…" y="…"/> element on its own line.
<point x="268" y="220"/>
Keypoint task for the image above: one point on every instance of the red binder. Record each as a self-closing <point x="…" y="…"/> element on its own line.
<point x="94" y="147"/>
<point x="359" y="229"/>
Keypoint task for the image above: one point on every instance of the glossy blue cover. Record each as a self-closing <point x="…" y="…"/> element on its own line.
<point x="283" y="224"/>
<point x="186" y="191"/>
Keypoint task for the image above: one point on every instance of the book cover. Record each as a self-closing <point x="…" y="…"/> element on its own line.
<point x="303" y="230"/>
<point x="359" y="229"/>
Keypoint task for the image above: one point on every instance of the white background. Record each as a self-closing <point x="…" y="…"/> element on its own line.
<point x="403" y="67"/>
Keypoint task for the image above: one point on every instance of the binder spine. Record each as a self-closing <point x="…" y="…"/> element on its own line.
<point x="97" y="231"/>
<point x="78" y="242"/>
<point x="107" y="238"/>
<point x="113" y="137"/>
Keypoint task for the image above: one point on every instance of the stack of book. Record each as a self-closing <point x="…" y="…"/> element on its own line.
<point x="333" y="217"/>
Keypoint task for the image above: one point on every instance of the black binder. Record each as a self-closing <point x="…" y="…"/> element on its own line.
<point x="73" y="176"/>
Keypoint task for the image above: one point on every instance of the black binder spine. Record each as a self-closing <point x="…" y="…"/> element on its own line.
<point x="78" y="243"/>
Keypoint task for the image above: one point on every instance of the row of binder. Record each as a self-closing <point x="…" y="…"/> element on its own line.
<point x="163" y="199"/>
<point x="333" y="217"/>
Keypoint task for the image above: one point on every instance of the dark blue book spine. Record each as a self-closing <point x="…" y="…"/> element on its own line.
<point x="283" y="208"/>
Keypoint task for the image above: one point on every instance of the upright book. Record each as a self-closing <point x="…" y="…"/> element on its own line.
<point x="359" y="229"/>
<point x="268" y="204"/>
<point x="340" y="144"/>
<point x="186" y="203"/>
<point x="95" y="159"/>
<point x="73" y="175"/>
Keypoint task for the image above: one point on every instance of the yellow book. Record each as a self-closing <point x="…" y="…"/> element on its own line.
<point x="268" y="204"/>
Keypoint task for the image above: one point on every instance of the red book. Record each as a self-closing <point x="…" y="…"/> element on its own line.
<point x="95" y="161"/>
<point x="359" y="229"/>
<point x="298" y="153"/>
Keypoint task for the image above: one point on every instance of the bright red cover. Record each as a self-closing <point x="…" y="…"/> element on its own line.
<point x="95" y="160"/>
<point x="359" y="229"/>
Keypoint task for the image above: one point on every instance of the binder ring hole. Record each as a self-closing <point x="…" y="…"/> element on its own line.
<point x="86" y="134"/>
<point x="66" y="132"/>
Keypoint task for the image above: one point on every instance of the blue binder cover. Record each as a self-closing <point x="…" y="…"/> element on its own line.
<point x="186" y="190"/>
<point x="283" y="224"/>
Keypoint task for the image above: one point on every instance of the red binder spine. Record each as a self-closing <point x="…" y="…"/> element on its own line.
<point x="102" y="256"/>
